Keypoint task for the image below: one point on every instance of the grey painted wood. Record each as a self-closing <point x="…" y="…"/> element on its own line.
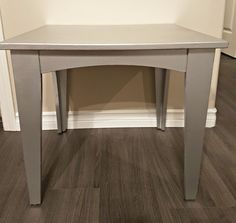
<point x="115" y="37"/>
<point x="60" y="89"/>
<point x="162" y="77"/>
<point x="57" y="60"/>
<point x="63" y="47"/>
<point x="197" y="90"/>
<point x="28" y="82"/>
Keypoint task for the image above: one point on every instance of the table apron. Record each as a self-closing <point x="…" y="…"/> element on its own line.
<point x="60" y="60"/>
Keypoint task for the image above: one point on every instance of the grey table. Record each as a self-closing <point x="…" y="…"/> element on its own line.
<point x="57" y="48"/>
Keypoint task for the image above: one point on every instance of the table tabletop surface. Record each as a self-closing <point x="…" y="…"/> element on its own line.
<point x="112" y="37"/>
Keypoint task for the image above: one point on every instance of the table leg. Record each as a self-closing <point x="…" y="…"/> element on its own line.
<point x="162" y="83"/>
<point x="197" y="90"/>
<point x="60" y="87"/>
<point x="28" y="82"/>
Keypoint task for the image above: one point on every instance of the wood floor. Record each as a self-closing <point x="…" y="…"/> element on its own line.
<point x="126" y="175"/>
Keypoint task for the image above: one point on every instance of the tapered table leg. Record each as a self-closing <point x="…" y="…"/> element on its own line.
<point x="197" y="89"/>
<point x="28" y="84"/>
<point x="162" y="83"/>
<point x="60" y="86"/>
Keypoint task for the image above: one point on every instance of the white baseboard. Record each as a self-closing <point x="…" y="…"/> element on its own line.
<point x="119" y="119"/>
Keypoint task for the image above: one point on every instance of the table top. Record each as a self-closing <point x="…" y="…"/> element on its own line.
<point x="112" y="37"/>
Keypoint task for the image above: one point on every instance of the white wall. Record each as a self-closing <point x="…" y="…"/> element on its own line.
<point x="21" y="16"/>
<point x="229" y="33"/>
<point x="112" y="11"/>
